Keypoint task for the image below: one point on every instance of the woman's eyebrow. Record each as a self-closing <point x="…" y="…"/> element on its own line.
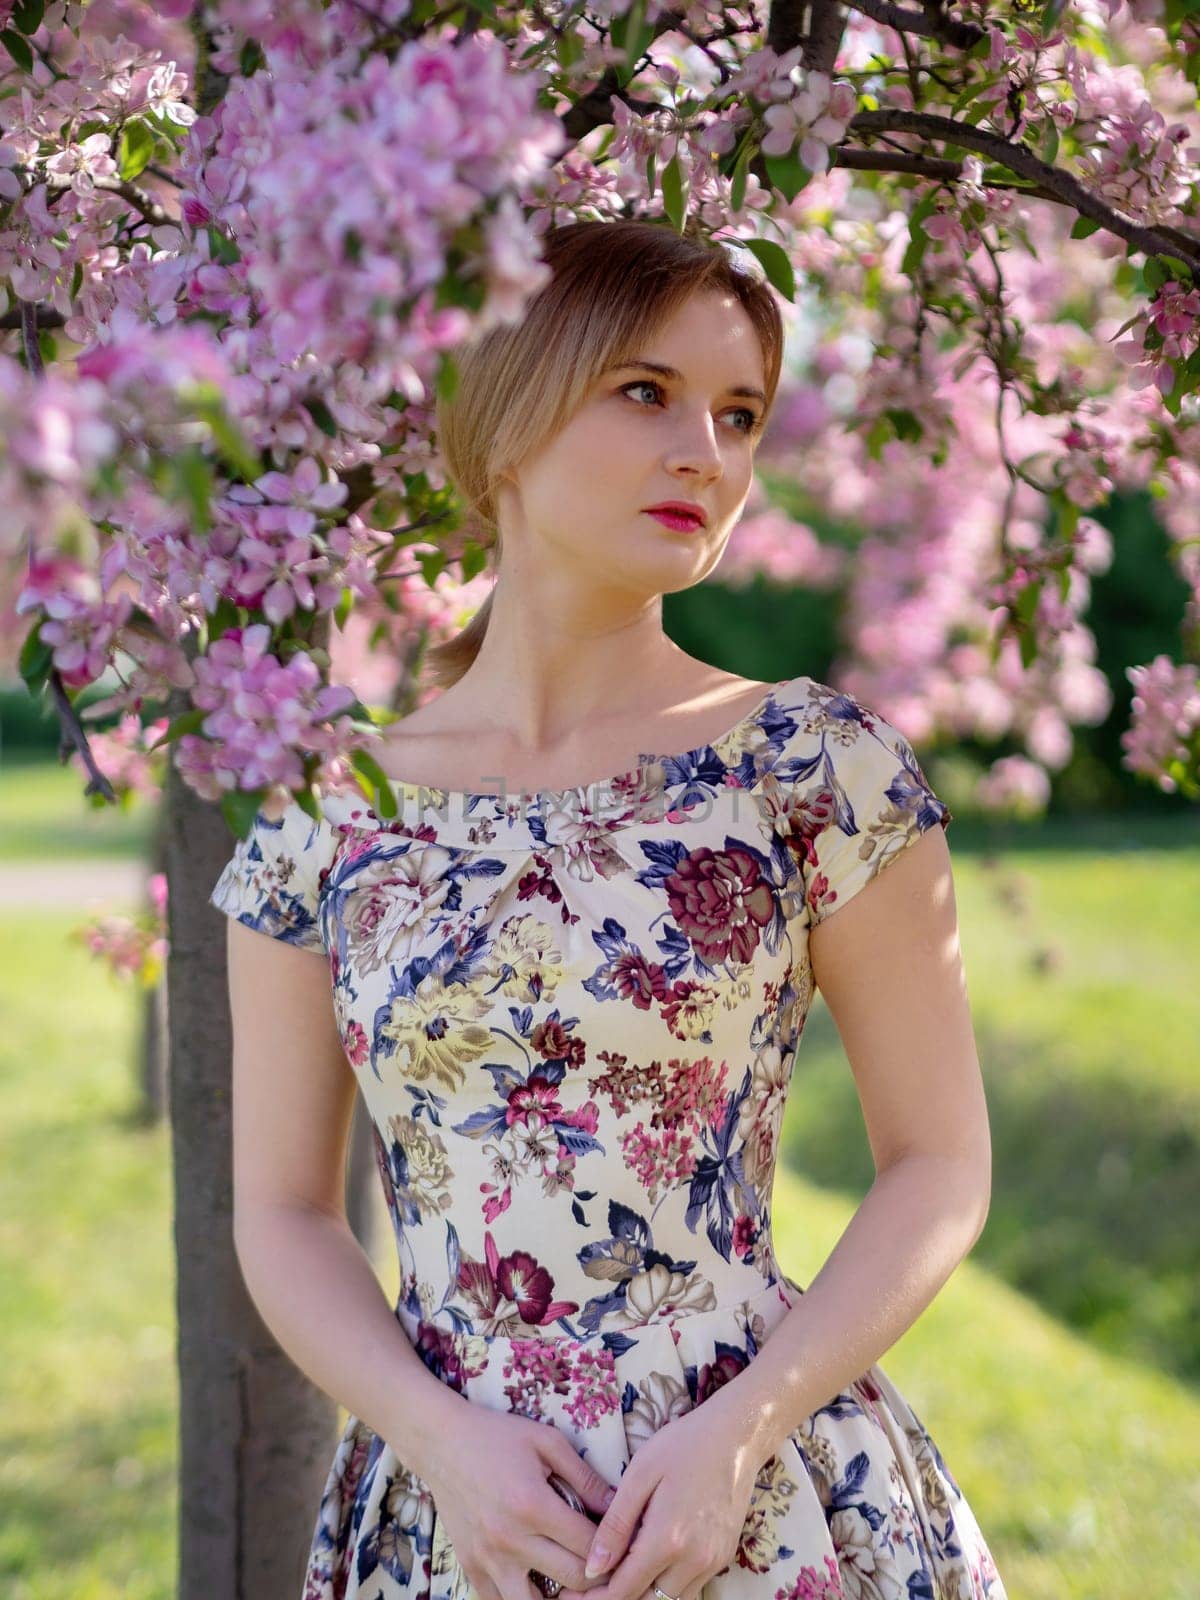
<point x="745" y="389"/>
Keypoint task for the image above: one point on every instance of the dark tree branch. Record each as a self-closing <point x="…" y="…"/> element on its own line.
<point x="27" y="312"/>
<point x="930" y="22"/>
<point x="826" y="24"/>
<point x="1058" y="183"/>
<point x="143" y="203"/>
<point x="71" y="735"/>
<point x="785" y="29"/>
<point x="943" y="171"/>
<point x="819" y="41"/>
<point x="46" y="317"/>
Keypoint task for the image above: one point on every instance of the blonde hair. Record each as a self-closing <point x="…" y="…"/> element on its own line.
<point x="612" y="285"/>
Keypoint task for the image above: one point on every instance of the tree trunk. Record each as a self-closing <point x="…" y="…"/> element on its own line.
<point x="152" y="1041"/>
<point x="256" y="1436"/>
<point x="152" y="1052"/>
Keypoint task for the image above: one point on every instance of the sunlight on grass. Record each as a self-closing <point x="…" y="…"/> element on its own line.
<point x="88" y="1426"/>
<point x="43" y="812"/>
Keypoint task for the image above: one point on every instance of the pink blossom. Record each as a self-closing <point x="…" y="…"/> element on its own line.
<point x="1166" y="720"/>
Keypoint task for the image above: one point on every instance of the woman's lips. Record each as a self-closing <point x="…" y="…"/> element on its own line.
<point x="676" y="520"/>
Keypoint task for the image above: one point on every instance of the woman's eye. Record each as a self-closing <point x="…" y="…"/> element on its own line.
<point x="642" y="383"/>
<point x="744" y="411"/>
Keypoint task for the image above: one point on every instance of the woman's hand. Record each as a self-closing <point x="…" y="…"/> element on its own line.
<point x="685" y="1495"/>
<point x="502" y="1517"/>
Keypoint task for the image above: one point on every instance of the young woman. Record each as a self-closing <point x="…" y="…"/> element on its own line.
<point x="570" y="978"/>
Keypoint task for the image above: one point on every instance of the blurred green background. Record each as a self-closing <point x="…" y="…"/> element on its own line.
<point x="1058" y="1368"/>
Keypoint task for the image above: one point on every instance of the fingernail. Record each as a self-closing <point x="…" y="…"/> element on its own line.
<point x="609" y="1496"/>
<point x="596" y="1562"/>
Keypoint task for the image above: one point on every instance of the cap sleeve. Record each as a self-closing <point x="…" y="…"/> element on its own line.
<point x="869" y="803"/>
<point x="272" y="882"/>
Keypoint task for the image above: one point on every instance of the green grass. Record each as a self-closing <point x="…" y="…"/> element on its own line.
<point x="43" y="812"/>
<point x="1065" y="1454"/>
<point x="1056" y="1370"/>
<point x="87" y="1337"/>
<point x="1081" y="969"/>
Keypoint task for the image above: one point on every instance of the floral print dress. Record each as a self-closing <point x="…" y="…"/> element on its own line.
<point x="573" y="1017"/>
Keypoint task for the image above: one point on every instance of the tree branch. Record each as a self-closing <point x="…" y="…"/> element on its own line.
<point x="930" y="23"/>
<point x="941" y="170"/>
<point x="826" y="24"/>
<point x="819" y="41"/>
<point x="71" y="735"/>
<point x="143" y="203"/>
<point x="46" y="317"/>
<point x="1058" y="183"/>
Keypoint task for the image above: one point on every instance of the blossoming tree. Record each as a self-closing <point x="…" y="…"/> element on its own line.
<point x="239" y="244"/>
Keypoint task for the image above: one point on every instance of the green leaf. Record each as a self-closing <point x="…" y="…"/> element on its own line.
<point x="308" y="803"/>
<point x="1179" y="270"/>
<point x="631" y="34"/>
<point x="205" y="401"/>
<point x="1083" y="228"/>
<point x="18" y="48"/>
<point x="239" y="807"/>
<point x="344" y="606"/>
<point x="906" y="423"/>
<point x="651" y="172"/>
<point x="569" y="48"/>
<point x="969" y="93"/>
<point x="1049" y="150"/>
<point x="1068" y="518"/>
<point x="674" y="193"/>
<point x="1027" y="600"/>
<point x="135" y="149"/>
<point x="777" y="265"/>
<point x="36" y="658"/>
<point x="432" y="564"/>
<point x="737" y="188"/>
<point x="321" y="415"/>
<point x="222" y="248"/>
<point x="188" y="479"/>
<point x="788" y="174"/>
<point x="187" y="722"/>
<point x="385" y="795"/>
<point x="474" y="559"/>
<point x="446" y="383"/>
<point x="386" y="510"/>
<point x="27" y="15"/>
<point x="918" y="243"/>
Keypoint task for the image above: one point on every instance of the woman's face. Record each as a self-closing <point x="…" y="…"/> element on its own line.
<point x="642" y="437"/>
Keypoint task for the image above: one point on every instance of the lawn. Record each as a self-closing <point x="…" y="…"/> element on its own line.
<point x="1056" y="1370"/>
<point x="43" y="812"/>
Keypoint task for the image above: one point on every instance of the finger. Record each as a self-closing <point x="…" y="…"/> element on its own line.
<point x="615" y="1531"/>
<point x="567" y="1527"/>
<point x="633" y="1571"/>
<point x="550" y="1557"/>
<point x="677" y="1583"/>
<point x="514" y="1583"/>
<point x="568" y="1465"/>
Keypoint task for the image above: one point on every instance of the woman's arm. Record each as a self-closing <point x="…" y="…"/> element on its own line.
<point x="314" y="1286"/>
<point x="889" y="966"/>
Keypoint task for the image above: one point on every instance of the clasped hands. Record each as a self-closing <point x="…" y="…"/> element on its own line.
<point x="677" y="1517"/>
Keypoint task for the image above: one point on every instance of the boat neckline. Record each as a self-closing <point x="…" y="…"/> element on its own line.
<point x="678" y="760"/>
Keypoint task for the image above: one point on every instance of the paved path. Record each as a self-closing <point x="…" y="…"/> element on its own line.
<point x="87" y="884"/>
